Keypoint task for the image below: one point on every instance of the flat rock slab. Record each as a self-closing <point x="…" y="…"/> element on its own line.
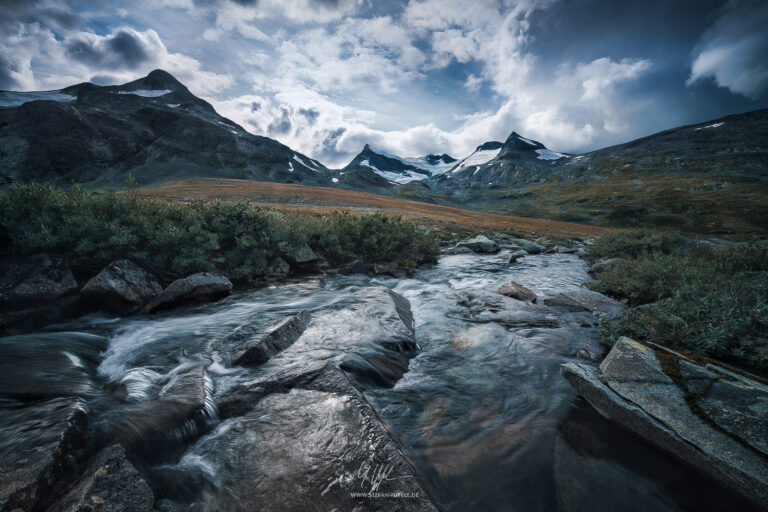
<point x="484" y="306"/>
<point x="516" y="291"/>
<point x="723" y="438"/>
<point x="109" y="483"/>
<point x="38" y="451"/>
<point x="585" y="300"/>
<point x="261" y="346"/>
<point x="122" y="287"/>
<point x="195" y="288"/>
<point x="313" y="443"/>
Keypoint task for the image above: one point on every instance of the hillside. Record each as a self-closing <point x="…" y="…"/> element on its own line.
<point x="292" y="198"/>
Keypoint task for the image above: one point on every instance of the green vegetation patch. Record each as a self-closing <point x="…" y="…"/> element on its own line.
<point x="701" y="297"/>
<point x="174" y="239"/>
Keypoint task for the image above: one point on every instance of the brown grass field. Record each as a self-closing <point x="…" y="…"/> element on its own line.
<point x="306" y="200"/>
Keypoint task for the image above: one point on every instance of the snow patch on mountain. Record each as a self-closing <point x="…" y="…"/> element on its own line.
<point x="715" y="125"/>
<point x="478" y="157"/>
<point x="148" y="93"/>
<point x="546" y="154"/>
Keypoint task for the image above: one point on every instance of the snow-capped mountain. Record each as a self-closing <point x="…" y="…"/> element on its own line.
<point x="399" y="169"/>
<point x="153" y="128"/>
<point x="484" y="153"/>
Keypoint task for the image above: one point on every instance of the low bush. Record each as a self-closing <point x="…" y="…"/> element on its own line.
<point x="174" y="239"/>
<point x="713" y="302"/>
<point x="634" y="243"/>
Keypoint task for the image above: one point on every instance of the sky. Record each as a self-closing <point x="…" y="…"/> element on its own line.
<point x="411" y="77"/>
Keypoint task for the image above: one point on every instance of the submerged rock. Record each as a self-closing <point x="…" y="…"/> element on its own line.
<point x="480" y="243"/>
<point x="311" y="443"/>
<point x="484" y="306"/>
<point x="516" y="291"/>
<point x="109" y="483"/>
<point x="585" y="300"/>
<point x="195" y="288"/>
<point x="262" y="345"/>
<point x="723" y="437"/>
<point x="513" y="257"/>
<point x="121" y="287"/>
<point x="34" y="280"/>
<point x="39" y="451"/>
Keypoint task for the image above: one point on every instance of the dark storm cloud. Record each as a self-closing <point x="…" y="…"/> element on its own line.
<point x="121" y="51"/>
<point x="310" y="113"/>
<point x="255" y="106"/>
<point x="734" y="52"/>
<point x="282" y="124"/>
<point x="246" y="2"/>
<point x="7" y="82"/>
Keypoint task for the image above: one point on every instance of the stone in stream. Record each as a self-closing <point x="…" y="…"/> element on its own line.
<point x="39" y="451"/>
<point x="310" y="442"/>
<point x="121" y="287"/>
<point x="516" y="291"/>
<point x="301" y="255"/>
<point x="455" y="250"/>
<point x="527" y="245"/>
<point x="483" y="306"/>
<point x="109" y="483"/>
<point x="260" y="346"/>
<point x="195" y="288"/>
<point x="355" y="267"/>
<point x="516" y="255"/>
<point x="34" y="280"/>
<point x="480" y="243"/>
<point x="585" y="300"/>
<point x="723" y="437"/>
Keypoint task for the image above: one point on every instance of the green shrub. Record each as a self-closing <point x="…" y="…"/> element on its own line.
<point x="633" y="243"/>
<point x="174" y="239"/>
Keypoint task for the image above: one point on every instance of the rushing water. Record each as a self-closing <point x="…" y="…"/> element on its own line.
<point x="482" y="412"/>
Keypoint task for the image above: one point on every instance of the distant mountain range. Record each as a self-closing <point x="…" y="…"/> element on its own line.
<point x="153" y="128"/>
<point x="708" y="177"/>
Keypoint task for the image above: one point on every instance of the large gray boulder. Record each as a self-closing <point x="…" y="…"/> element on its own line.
<point x="199" y="287"/>
<point x="34" y="280"/>
<point x="301" y="255"/>
<point x="516" y="291"/>
<point x="121" y="287"/>
<point x="109" y="483"/>
<point x="310" y="443"/>
<point x="260" y="345"/>
<point x="581" y="299"/>
<point x="480" y="243"/>
<point x="718" y="428"/>
<point x="38" y="451"/>
<point x="483" y="306"/>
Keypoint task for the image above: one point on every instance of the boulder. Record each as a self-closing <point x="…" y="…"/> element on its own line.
<point x="483" y="306"/>
<point x="456" y="250"/>
<point x="527" y="245"/>
<point x="566" y="250"/>
<point x="301" y="255"/>
<point x="39" y="451"/>
<point x="34" y="280"/>
<point x="311" y="445"/>
<point x="516" y="291"/>
<point x="480" y="243"/>
<point x="605" y="265"/>
<point x="199" y="287"/>
<point x="391" y="269"/>
<point x="262" y="345"/>
<point x="278" y="267"/>
<point x="121" y="287"/>
<point x="109" y="483"/>
<point x="513" y="257"/>
<point x="718" y="429"/>
<point x="581" y="299"/>
<point x="355" y="267"/>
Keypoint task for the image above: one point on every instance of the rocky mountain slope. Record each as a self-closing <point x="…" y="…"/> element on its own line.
<point x="397" y="169"/>
<point x="153" y="128"/>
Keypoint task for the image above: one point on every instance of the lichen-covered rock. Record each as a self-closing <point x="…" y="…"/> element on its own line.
<point x="723" y="436"/>
<point x="516" y="291"/>
<point x="109" y="483"/>
<point x="121" y="287"/>
<point x="39" y="451"/>
<point x="199" y="287"/>
<point x="480" y="243"/>
<point x="34" y="280"/>
<point x="585" y="300"/>
<point x="260" y="346"/>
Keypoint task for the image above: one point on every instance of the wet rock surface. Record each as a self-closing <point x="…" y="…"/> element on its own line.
<point x="723" y="437"/>
<point x="311" y="444"/>
<point x="34" y="280"/>
<point x="480" y="243"/>
<point x="260" y="346"/>
<point x="483" y="306"/>
<point x="199" y="287"/>
<point x="121" y="287"/>
<point x="39" y="451"/>
<point x="585" y="300"/>
<point x="516" y="291"/>
<point x="109" y="483"/>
